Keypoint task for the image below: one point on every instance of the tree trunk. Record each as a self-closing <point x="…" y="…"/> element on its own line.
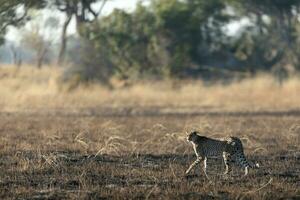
<point x="40" y="57"/>
<point x="79" y="24"/>
<point x="16" y="57"/>
<point x="63" y="46"/>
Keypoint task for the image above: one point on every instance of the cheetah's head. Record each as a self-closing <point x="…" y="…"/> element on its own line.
<point x="190" y="137"/>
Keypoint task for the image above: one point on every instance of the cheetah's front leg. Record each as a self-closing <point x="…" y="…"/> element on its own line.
<point x="204" y="168"/>
<point x="198" y="160"/>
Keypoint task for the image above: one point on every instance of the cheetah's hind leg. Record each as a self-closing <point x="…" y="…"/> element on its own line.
<point x="227" y="162"/>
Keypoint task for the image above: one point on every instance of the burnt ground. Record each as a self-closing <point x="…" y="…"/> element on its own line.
<point x="142" y="157"/>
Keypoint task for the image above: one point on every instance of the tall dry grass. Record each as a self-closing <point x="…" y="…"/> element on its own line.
<point x="29" y="88"/>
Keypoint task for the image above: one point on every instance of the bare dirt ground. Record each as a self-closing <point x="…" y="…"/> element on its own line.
<point x="139" y="155"/>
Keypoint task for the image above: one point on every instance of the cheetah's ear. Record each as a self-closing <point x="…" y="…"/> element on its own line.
<point x="232" y="143"/>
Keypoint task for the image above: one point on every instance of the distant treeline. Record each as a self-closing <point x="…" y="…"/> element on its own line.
<point x="190" y="39"/>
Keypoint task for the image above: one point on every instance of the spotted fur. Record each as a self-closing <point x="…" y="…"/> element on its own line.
<point x="231" y="149"/>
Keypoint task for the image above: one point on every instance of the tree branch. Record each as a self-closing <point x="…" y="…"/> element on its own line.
<point x="101" y="8"/>
<point x="14" y="21"/>
<point x="92" y="11"/>
<point x="96" y="14"/>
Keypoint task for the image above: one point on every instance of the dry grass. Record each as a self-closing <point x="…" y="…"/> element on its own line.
<point x="75" y="157"/>
<point x="129" y="143"/>
<point x="30" y="89"/>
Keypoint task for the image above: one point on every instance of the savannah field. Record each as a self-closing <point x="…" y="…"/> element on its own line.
<point x="129" y="143"/>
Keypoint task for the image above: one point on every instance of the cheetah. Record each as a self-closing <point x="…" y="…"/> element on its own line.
<point x="231" y="149"/>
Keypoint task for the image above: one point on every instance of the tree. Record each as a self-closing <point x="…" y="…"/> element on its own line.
<point x="272" y="36"/>
<point x="16" y="56"/>
<point x="82" y="10"/>
<point x="14" y="13"/>
<point x="38" y="38"/>
<point x="165" y="39"/>
<point x="194" y="31"/>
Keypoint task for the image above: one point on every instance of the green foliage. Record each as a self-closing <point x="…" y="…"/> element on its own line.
<point x="187" y="38"/>
<point x="162" y="40"/>
<point x="14" y="12"/>
<point x="192" y="29"/>
<point x="272" y="38"/>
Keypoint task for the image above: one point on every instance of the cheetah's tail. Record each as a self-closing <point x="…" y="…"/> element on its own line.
<point x="252" y="165"/>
